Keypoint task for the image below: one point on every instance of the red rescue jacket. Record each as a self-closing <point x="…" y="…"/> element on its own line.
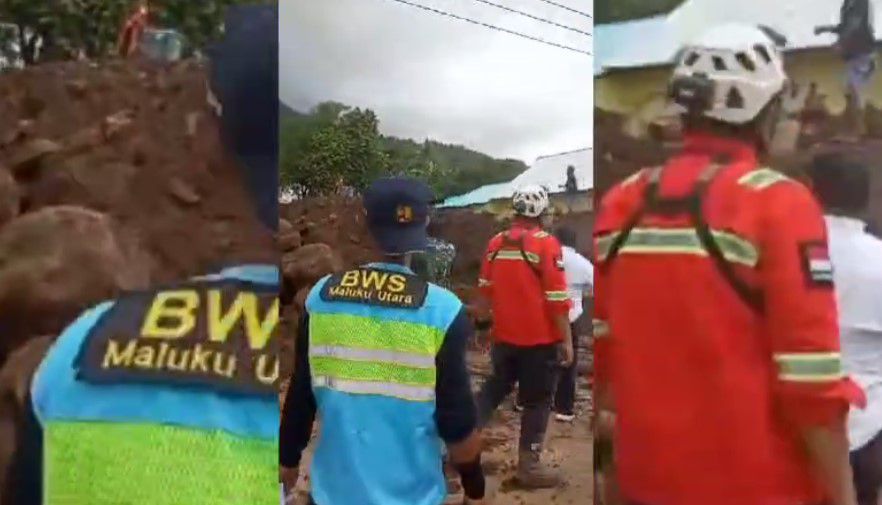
<point x="523" y="277"/>
<point x="716" y="330"/>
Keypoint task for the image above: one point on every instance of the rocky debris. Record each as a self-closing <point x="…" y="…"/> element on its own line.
<point x="100" y="191"/>
<point x="183" y="192"/>
<point x="56" y="261"/>
<point x="28" y="157"/>
<point x="10" y="197"/>
<point x="306" y="265"/>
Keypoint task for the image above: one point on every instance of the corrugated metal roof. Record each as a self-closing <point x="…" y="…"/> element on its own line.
<point x="655" y="41"/>
<point x="549" y="171"/>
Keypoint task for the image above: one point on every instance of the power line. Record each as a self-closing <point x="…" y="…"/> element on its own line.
<point x="493" y="27"/>
<point x="531" y="16"/>
<point x="568" y="8"/>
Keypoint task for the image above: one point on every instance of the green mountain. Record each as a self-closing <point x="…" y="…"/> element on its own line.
<point x="335" y="145"/>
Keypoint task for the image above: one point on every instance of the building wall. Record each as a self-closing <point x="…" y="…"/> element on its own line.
<point x="640" y="94"/>
<point x="501" y="208"/>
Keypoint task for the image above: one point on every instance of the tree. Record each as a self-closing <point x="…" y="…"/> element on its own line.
<point x="610" y="11"/>
<point x="323" y="154"/>
<point x="61" y="29"/>
<point x="335" y="145"/>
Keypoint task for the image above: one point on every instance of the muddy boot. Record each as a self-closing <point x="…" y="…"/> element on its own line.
<point x="533" y="474"/>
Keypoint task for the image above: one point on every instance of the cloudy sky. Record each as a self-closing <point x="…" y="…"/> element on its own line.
<point x="432" y="76"/>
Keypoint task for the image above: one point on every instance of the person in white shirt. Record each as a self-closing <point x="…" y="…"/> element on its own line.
<point x="580" y="285"/>
<point x="842" y="184"/>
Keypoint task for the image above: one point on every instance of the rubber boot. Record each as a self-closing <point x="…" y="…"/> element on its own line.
<point x="533" y="474"/>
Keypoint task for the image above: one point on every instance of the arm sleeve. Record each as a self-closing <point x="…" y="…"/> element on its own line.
<point x="455" y="412"/>
<point x="298" y="412"/>
<point x="554" y="280"/>
<point x="796" y="274"/>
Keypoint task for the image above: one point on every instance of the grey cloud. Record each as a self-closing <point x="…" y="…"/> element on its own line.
<point x="428" y="76"/>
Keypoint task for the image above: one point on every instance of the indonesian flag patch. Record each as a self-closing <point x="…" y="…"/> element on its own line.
<point x="816" y="264"/>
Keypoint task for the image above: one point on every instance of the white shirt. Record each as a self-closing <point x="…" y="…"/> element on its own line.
<point x="857" y="271"/>
<point x="580" y="279"/>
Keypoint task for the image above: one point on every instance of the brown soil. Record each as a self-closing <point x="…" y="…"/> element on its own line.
<point x="133" y="142"/>
<point x="617" y="155"/>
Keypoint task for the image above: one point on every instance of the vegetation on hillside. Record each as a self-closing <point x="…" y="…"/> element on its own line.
<point x="610" y="11"/>
<point x="62" y="29"/>
<point x="335" y="146"/>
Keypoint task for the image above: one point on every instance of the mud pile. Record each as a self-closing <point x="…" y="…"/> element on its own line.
<point x="618" y="155"/>
<point x="111" y="178"/>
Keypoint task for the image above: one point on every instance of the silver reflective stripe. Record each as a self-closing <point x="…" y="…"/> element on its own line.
<point x="412" y="393"/>
<point x="398" y="358"/>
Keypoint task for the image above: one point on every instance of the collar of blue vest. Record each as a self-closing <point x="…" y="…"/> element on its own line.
<point x="257" y="273"/>
<point x="394" y="267"/>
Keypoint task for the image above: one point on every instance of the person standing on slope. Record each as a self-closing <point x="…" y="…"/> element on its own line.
<point x="522" y="275"/>
<point x="857" y="45"/>
<point x="717" y="346"/>
<point x="842" y="184"/>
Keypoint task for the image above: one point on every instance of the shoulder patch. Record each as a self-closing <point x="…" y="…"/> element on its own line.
<point x="375" y="287"/>
<point x="762" y="178"/>
<point x="816" y="264"/>
<point x="541" y="234"/>
<point x="217" y="335"/>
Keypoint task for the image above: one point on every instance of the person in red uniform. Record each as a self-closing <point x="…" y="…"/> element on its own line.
<point x="522" y="275"/>
<point x="130" y="36"/>
<point x="717" y="347"/>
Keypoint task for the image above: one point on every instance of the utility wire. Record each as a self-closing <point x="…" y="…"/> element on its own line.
<point x="568" y="8"/>
<point x="493" y="27"/>
<point x="531" y="16"/>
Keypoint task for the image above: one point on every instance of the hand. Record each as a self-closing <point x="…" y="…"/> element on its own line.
<point x="288" y="477"/>
<point x="566" y="354"/>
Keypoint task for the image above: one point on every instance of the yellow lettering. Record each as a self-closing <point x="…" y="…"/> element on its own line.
<point x="113" y="356"/>
<point x="177" y="306"/>
<point x="183" y="357"/>
<point x="397" y="283"/>
<point x="259" y="332"/>
<point x="218" y="365"/>
<point x="145" y="357"/>
<point x="200" y="359"/>
<point x="350" y="279"/>
<point x="376" y="278"/>
<point x="263" y="375"/>
<point x="220" y="324"/>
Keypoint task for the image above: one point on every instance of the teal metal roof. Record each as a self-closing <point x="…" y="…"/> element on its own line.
<point x="479" y="196"/>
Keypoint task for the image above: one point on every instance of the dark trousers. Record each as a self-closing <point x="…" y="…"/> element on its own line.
<point x="535" y="369"/>
<point x="565" y="397"/>
<point x="866" y="464"/>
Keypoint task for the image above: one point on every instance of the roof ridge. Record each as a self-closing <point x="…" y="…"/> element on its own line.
<point x="564" y="152"/>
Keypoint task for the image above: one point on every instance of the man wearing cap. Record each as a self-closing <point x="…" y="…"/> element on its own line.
<point x="841" y="183"/>
<point x="170" y="396"/>
<point x="381" y="361"/>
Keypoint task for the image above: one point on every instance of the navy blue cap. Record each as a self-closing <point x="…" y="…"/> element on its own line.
<point x="244" y="79"/>
<point x="397" y="214"/>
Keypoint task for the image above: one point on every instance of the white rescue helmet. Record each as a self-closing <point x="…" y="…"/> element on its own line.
<point x="530" y="201"/>
<point x="742" y="67"/>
